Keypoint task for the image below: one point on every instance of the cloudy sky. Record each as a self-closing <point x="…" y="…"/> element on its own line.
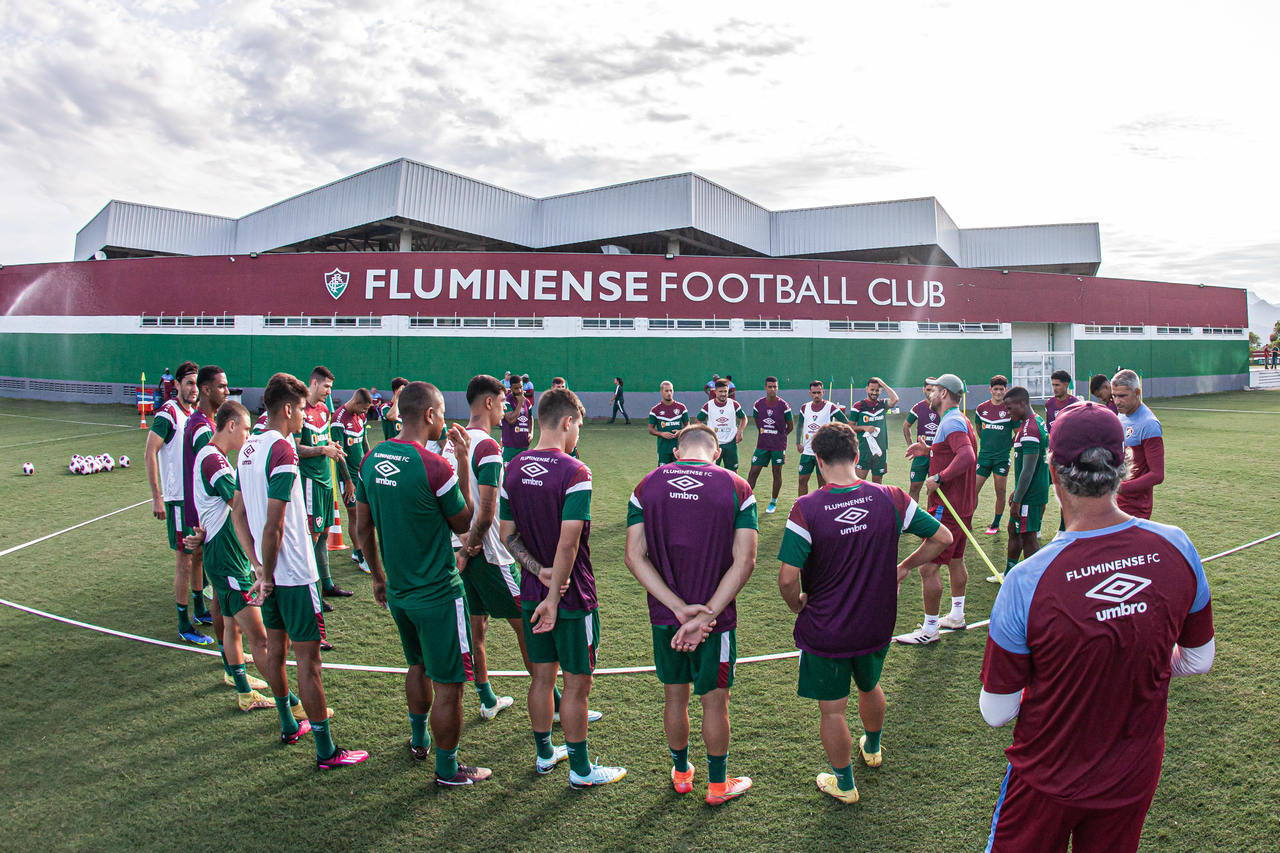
<point x="1161" y="127"/>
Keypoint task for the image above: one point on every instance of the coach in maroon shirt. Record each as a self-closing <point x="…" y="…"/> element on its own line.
<point x="1084" y="637"/>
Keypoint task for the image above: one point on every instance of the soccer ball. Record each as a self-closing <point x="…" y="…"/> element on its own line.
<point x="28" y="468"/>
<point x="124" y="461"/>
<point x="108" y="463"/>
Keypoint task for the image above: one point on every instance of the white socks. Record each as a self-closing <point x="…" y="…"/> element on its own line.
<point x="931" y="623"/>
<point x="957" y="607"/>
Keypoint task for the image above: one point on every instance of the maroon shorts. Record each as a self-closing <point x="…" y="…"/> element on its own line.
<point x="955" y="550"/>
<point x="1026" y="819"/>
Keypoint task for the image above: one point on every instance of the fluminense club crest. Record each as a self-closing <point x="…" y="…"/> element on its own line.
<point x="336" y="282"/>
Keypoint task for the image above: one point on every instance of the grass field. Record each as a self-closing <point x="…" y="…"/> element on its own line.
<point x="111" y="744"/>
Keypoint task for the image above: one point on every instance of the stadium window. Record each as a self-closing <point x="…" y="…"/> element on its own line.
<point x="502" y="322"/>
<point x="320" y="321"/>
<point x="529" y="322"/>
<point x="475" y="322"/>
<point x="1221" y="330"/>
<point x="149" y="321"/>
<point x="1113" y="330"/>
<point x="662" y="323"/>
<point x="688" y="324"/>
<point x="767" y="325"/>
<point x="1173" y="330"/>
<point x="608" y="323"/>
<point x="448" y="322"/>
<point x="369" y="322"/>
<point x="718" y="325"/>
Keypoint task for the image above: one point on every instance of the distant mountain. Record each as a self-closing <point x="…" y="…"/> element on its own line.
<point x="1262" y="315"/>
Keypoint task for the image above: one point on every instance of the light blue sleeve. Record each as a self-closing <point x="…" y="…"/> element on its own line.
<point x="1178" y="539"/>
<point x="1010" y="614"/>
<point x="949" y="424"/>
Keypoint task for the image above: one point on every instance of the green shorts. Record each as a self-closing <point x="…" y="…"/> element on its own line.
<point x="232" y="592"/>
<point x="1026" y="518"/>
<point x="174" y="527"/>
<point x="999" y="466"/>
<point x="878" y="465"/>
<point x="572" y="642"/>
<point x="509" y="453"/>
<point x="827" y="679"/>
<point x="708" y="667"/>
<point x="231" y="601"/>
<point x="761" y="458"/>
<point x="808" y="462"/>
<point x="919" y="469"/>
<point x="729" y="456"/>
<point x="319" y="501"/>
<point x="437" y="637"/>
<point x="666" y="451"/>
<point x="294" y="610"/>
<point x="491" y="590"/>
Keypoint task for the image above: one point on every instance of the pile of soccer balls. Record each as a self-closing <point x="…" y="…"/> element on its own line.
<point x="94" y="464"/>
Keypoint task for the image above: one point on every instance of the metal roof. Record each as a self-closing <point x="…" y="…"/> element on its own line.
<point x="404" y="194"/>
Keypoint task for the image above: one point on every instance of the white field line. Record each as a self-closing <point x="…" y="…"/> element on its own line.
<point x="400" y="670"/>
<point x="1159" y="408"/>
<point x="54" y="440"/>
<point x="8" y="551"/>
<point x="63" y="421"/>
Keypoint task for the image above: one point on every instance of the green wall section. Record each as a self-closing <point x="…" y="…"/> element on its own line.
<point x="587" y="362"/>
<point x="1160" y="359"/>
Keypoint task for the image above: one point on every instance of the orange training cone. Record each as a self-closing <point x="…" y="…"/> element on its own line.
<point x="335" y="542"/>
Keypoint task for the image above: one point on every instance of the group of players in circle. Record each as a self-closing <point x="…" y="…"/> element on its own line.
<point x="454" y="529"/>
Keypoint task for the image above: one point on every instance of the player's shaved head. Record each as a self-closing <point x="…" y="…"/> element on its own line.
<point x="416" y="398"/>
<point x="484" y="385"/>
<point x="556" y="405"/>
<point x="698" y="435"/>
<point x="1017" y="394"/>
<point x="834" y="443"/>
<point x="361" y="396"/>
<point x="282" y="389"/>
<point x="228" y="412"/>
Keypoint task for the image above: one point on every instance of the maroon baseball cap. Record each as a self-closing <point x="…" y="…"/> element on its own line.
<point x="1081" y="426"/>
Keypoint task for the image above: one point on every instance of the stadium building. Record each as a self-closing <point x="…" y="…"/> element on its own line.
<point x="406" y="269"/>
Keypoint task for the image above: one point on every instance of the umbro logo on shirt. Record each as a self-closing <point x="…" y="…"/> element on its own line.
<point x="386" y="469"/>
<point x="1119" y="588"/>
<point x="533" y="469"/>
<point x="686" y="485"/>
<point x="852" y="515"/>
<point x="768" y="422"/>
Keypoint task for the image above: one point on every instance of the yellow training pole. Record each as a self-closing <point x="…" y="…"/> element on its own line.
<point x="969" y="534"/>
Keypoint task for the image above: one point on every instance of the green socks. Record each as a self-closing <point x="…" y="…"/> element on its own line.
<point x="418" y="736"/>
<point x="185" y="627"/>
<point x="996" y="523"/>
<point x="557" y="699"/>
<point x="579" y="761"/>
<point x="718" y="769"/>
<point x="844" y="777"/>
<point x="358" y="555"/>
<point x="321" y="549"/>
<point x="288" y="725"/>
<point x="446" y="762"/>
<point x="226" y="667"/>
<point x="543" y="742"/>
<point x="242" y="681"/>
<point x="1009" y="564"/>
<point x="680" y="759"/>
<point x="197" y="603"/>
<point x="324" y="743"/>
<point x="872" y="746"/>
<point x="487" y="697"/>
